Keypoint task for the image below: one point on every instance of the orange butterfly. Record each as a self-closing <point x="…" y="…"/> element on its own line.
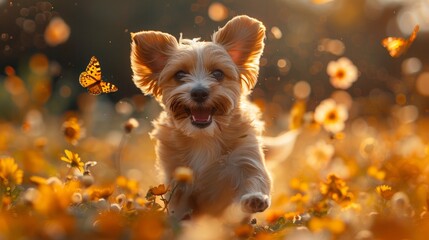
<point x="91" y="79"/>
<point x="397" y="46"/>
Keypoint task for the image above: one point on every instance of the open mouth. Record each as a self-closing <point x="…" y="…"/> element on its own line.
<point x="201" y="117"/>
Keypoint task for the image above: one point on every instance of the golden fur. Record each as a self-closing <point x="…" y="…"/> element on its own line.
<point x="222" y="145"/>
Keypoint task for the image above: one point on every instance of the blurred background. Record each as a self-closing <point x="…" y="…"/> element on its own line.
<point x="302" y="36"/>
<point x="45" y="45"/>
<point x="380" y="157"/>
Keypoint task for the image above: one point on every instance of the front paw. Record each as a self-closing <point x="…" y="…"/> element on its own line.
<point x="254" y="202"/>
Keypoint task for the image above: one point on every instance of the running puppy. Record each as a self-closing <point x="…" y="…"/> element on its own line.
<point x="207" y="124"/>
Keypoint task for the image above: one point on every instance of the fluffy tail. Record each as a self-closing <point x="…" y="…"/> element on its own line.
<point x="277" y="149"/>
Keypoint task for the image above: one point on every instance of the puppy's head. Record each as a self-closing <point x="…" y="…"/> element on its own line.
<point x="199" y="84"/>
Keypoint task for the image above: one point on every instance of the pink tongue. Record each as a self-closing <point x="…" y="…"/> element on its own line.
<point x="201" y="115"/>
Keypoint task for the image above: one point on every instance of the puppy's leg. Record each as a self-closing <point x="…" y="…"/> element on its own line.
<point x="254" y="185"/>
<point x="180" y="205"/>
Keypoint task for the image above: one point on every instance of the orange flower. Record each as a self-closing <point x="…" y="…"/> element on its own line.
<point x="160" y="190"/>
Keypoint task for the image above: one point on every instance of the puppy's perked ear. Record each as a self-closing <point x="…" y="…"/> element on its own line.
<point x="150" y="51"/>
<point x="243" y="39"/>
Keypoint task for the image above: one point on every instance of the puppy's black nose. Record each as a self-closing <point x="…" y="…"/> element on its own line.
<point x="199" y="94"/>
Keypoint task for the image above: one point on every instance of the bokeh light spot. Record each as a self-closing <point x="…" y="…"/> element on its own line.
<point x="411" y="66"/>
<point x="284" y="65"/>
<point x="401" y="99"/>
<point x="124" y="107"/>
<point x="217" y="12"/>
<point x="277" y="33"/>
<point x="39" y="63"/>
<point x="199" y="20"/>
<point x="301" y="90"/>
<point x="422" y="84"/>
<point x="57" y="32"/>
<point x="29" y="26"/>
<point x="359" y="127"/>
<point x="65" y="91"/>
<point x="333" y="46"/>
<point x="24" y="12"/>
<point x="343" y="97"/>
<point x="10" y="71"/>
<point x="406" y="114"/>
<point x="281" y="63"/>
<point x="4" y="37"/>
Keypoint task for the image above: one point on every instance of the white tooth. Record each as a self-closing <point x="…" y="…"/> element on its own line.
<point x="193" y="118"/>
<point x="210" y="117"/>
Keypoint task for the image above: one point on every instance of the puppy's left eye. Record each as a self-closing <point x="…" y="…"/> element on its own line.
<point x="180" y="75"/>
<point x="218" y="74"/>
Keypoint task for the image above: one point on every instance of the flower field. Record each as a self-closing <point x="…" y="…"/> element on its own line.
<point x="74" y="165"/>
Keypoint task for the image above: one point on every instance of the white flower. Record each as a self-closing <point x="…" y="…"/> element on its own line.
<point x="319" y="154"/>
<point x="331" y="115"/>
<point x="342" y="73"/>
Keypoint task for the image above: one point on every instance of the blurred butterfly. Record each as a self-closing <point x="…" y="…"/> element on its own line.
<point x="91" y="79"/>
<point x="397" y="46"/>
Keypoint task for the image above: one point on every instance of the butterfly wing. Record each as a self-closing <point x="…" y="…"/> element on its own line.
<point x="414" y="34"/>
<point x="95" y="89"/>
<point x="107" y="87"/>
<point x="94" y="68"/>
<point x="91" y="79"/>
<point x="92" y="73"/>
<point x="395" y="46"/>
<point x="86" y="79"/>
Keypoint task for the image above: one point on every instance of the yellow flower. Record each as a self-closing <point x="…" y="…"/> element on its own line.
<point x="10" y="174"/>
<point x="183" y="174"/>
<point x="73" y="160"/>
<point x="335" y="188"/>
<point x="385" y="191"/>
<point x="55" y="199"/>
<point x="160" y="190"/>
<point x="331" y="115"/>
<point x="72" y="130"/>
<point x="342" y="73"/>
